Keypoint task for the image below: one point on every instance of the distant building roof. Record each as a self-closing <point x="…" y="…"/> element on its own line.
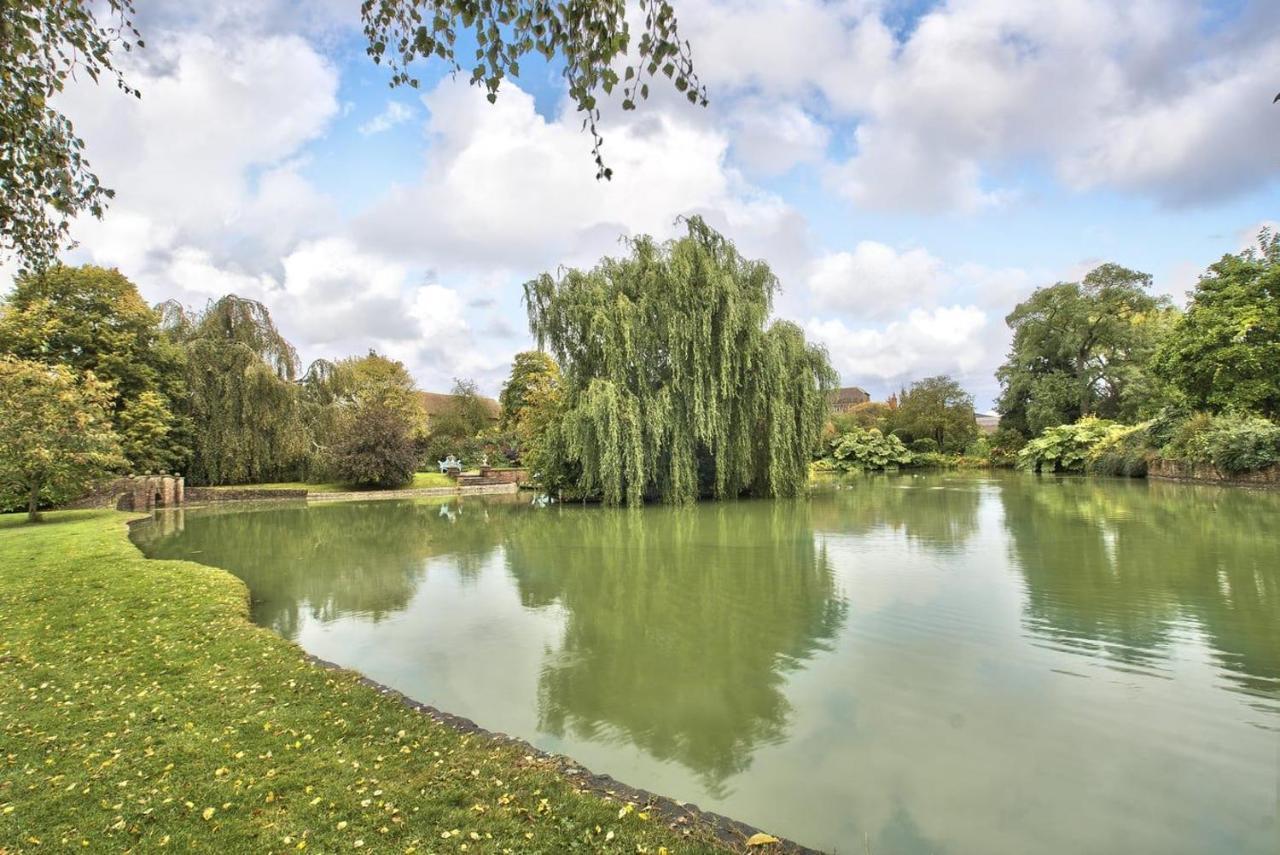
<point x="434" y="403"/>
<point x="987" y="422"/>
<point x="849" y="396"/>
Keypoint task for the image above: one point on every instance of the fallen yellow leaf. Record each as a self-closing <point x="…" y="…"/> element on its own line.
<point x="761" y="839"/>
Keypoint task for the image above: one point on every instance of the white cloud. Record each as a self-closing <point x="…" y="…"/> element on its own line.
<point x="395" y="113"/>
<point x="212" y="113"/>
<point x="505" y="187"/>
<point x="874" y="279"/>
<point x="1145" y="97"/>
<point x="770" y="137"/>
<point x="954" y="340"/>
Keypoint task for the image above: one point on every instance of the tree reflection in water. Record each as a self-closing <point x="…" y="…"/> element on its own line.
<point x="682" y="624"/>
<point x="1119" y="569"/>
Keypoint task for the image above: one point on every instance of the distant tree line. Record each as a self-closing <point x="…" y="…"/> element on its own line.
<point x="663" y="379"/>
<point x="1105" y="376"/>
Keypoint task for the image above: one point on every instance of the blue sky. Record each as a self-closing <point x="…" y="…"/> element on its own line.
<point x="909" y="169"/>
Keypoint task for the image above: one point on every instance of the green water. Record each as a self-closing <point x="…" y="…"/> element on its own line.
<point x="933" y="664"/>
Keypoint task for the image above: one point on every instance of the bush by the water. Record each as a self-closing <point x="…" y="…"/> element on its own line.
<point x="1230" y="442"/>
<point x="1123" y="451"/>
<point x="868" y="449"/>
<point x="924" y="445"/>
<point x="1066" y="448"/>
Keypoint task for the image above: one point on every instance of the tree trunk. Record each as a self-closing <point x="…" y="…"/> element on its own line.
<point x="33" y="504"/>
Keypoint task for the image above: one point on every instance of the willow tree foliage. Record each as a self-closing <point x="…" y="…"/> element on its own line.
<point x="243" y="401"/>
<point x="675" y="385"/>
<point x="592" y="41"/>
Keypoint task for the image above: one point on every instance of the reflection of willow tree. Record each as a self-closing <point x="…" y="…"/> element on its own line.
<point x="1118" y="565"/>
<point x="681" y="623"/>
<point x="334" y="559"/>
<point x="937" y="513"/>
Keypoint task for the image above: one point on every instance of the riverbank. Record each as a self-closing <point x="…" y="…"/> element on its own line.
<point x="142" y="709"/>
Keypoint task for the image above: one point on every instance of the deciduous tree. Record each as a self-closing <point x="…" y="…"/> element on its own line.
<point x="244" y="401"/>
<point x="532" y="371"/>
<point x="1224" y="353"/>
<point x="55" y="433"/>
<point x="936" y="408"/>
<point x="374" y="447"/>
<point x="1082" y="348"/>
<point x="92" y="319"/>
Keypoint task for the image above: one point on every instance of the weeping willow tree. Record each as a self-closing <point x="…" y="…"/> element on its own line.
<point x="244" y="403"/>
<point x="675" y="384"/>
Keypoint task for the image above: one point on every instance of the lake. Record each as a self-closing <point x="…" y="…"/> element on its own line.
<point x="941" y="663"/>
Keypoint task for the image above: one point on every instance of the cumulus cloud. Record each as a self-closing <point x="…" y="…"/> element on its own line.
<point x="874" y="279"/>
<point x="955" y="340"/>
<point x="506" y="187"/>
<point x="1148" y="97"/>
<point x="771" y="137"/>
<point x="214" y="116"/>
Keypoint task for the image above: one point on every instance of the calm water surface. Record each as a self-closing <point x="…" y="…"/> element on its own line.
<point x="908" y="664"/>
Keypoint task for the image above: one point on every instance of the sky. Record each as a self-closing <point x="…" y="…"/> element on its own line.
<point x="910" y="170"/>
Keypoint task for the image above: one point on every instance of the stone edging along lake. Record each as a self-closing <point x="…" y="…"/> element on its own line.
<point x="1203" y="473"/>
<point x="677" y="815"/>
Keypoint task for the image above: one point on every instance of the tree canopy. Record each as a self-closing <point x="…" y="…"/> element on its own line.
<point x="45" y="179"/>
<point x="55" y="433"/>
<point x="533" y="373"/>
<point x="936" y="408"/>
<point x="92" y="319"/>
<point x="1224" y="353"/>
<point x="589" y="38"/>
<point x="673" y="385"/>
<point x="373" y="446"/>
<point x="243" y="401"/>
<point x="1082" y="348"/>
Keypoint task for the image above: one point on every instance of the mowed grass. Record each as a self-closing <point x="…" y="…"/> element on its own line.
<point x="421" y="480"/>
<point x="141" y="710"/>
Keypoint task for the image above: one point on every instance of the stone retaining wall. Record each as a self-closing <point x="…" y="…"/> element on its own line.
<point x="420" y="493"/>
<point x="1205" y="473"/>
<point x="507" y="476"/>
<point x="240" y="494"/>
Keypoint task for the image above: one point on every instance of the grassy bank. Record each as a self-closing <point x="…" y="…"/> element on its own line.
<point x="142" y="710"/>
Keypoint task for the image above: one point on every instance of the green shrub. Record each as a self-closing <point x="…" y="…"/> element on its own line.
<point x="1005" y="444"/>
<point x="1244" y="443"/>
<point x="868" y="449"/>
<point x="924" y="445"/>
<point x="933" y="459"/>
<point x="1125" y="452"/>
<point x="1231" y="442"/>
<point x="1065" y="448"/>
<point x="1187" y="439"/>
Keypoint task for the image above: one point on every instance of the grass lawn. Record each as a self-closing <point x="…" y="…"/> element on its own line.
<point x="420" y="481"/>
<point x="142" y="710"/>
